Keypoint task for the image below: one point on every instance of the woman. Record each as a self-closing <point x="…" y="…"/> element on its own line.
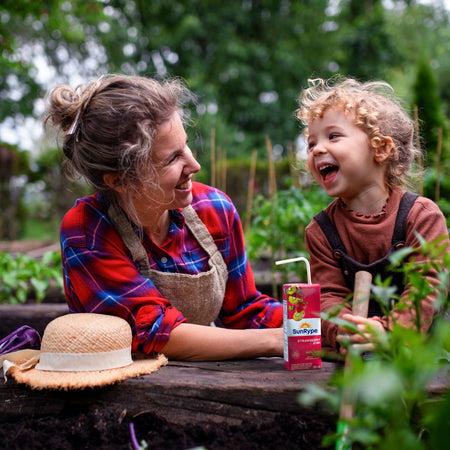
<point x="152" y="246"/>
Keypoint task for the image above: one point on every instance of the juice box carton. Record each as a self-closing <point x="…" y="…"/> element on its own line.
<point x="301" y="326"/>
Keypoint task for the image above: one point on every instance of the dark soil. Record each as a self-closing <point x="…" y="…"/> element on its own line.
<point x="104" y="429"/>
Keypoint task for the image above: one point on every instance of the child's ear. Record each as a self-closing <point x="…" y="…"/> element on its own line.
<point x="382" y="153"/>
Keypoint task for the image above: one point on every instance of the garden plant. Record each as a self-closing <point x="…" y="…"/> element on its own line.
<point x="278" y="228"/>
<point x="25" y="278"/>
<point x="394" y="407"/>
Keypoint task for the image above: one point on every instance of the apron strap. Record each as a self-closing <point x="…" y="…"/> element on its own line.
<point x="199" y="230"/>
<point x="129" y="237"/>
<point x="134" y="244"/>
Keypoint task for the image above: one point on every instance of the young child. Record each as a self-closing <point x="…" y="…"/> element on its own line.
<point x="360" y="150"/>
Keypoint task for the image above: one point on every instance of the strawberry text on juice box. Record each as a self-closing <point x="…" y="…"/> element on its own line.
<point x="301" y="326"/>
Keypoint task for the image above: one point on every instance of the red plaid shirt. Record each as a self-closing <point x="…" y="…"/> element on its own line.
<point x="100" y="276"/>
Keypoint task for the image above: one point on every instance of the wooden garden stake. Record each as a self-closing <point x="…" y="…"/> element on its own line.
<point x="294" y="172"/>
<point x="438" y="166"/>
<point x="273" y="198"/>
<point x="218" y="174"/>
<point x="213" y="157"/>
<point x="419" y="156"/>
<point x="251" y="190"/>
<point x="360" y="307"/>
<point x="272" y="177"/>
<point x="223" y="170"/>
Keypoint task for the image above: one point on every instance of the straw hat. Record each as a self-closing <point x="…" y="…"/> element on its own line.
<point x="79" y="351"/>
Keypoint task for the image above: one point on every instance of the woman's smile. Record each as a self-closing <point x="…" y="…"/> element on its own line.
<point x="187" y="185"/>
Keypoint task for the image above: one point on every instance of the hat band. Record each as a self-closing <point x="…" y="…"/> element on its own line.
<point x="84" y="362"/>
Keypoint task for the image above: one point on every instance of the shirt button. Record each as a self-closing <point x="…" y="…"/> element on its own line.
<point x="163" y="259"/>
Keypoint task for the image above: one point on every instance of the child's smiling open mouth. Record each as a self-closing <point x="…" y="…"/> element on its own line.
<point x="328" y="172"/>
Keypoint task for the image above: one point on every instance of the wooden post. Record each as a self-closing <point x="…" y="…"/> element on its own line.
<point x="438" y="166"/>
<point x="295" y="173"/>
<point x="272" y="177"/>
<point x="419" y="157"/>
<point x="218" y="174"/>
<point x="213" y="157"/>
<point x="223" y="170"/>
<point x="272" y="197"/>
<point x="251" y="190"/>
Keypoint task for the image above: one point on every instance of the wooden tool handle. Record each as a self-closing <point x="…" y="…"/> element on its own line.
<point x="360" y="307"/>
<point x="361" y="293"/>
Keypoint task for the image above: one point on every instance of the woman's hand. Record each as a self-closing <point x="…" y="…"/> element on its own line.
<point x="368" y="330"/>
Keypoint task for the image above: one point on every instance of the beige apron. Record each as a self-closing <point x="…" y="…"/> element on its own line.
<point x="199" y="297"/>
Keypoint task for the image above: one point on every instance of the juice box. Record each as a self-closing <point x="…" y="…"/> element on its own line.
<point x="301" y="326"/>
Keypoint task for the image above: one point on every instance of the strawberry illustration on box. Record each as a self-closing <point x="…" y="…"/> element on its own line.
<point x="301" y="323"/>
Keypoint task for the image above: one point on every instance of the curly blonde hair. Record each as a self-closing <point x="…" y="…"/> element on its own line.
<point x="376" y="111"/>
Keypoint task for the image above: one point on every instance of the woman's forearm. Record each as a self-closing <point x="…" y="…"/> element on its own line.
<point x="202" y="343"/>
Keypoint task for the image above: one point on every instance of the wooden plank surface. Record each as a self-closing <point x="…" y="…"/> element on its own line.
<point x="257" y="390"/>
<point x="182" y="392"/>
<point x="229" y="391"/>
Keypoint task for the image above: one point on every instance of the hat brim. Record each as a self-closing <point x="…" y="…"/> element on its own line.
<point x="46" y="379"/>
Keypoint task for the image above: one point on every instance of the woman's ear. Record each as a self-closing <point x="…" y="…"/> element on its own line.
<point x="112" y="181"/>
<point x="382" y="153"/>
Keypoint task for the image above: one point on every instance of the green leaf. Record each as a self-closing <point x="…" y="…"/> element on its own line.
<point x="41" y="287"/>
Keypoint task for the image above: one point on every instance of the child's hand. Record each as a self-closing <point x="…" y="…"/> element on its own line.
<point x="368" y="330"/>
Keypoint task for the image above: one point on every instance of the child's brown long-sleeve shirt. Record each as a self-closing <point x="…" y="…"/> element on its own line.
<point x="367" y="239"/>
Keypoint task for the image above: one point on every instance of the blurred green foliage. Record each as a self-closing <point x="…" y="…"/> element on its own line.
<point x="278" y="229"/>
<point x="245" y="60"/>
<point x="394" y="407"/>
<point x="25" y="278"/>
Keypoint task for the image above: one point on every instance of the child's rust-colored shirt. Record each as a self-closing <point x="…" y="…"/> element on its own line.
<point x="367" y="238"/>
